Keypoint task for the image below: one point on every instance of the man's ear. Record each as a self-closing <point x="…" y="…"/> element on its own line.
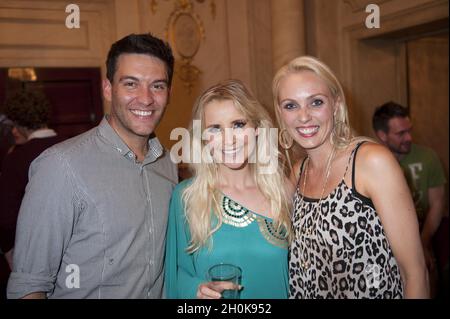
<point x="382" y="136"/>
<point x="107" y="90"/>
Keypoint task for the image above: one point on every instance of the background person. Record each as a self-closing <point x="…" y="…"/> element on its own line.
<point x="423" y="171"/>
<point x="10" y="136"/>
<point x="6" y="137"/>
<point x="29" y="112"/>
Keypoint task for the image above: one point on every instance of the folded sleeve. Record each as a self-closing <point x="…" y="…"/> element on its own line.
<point x="46" y="218"/>
<point x="181" y="280"/>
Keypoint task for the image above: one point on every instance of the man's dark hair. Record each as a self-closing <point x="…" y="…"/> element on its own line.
<point x="28" y="108"/>
<point x="385" y="112"/>
<point x="140" y="44"/>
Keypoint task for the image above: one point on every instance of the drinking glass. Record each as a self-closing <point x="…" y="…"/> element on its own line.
<point x="226" y="272"/>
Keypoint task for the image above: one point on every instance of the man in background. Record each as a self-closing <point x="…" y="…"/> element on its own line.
<point x="423" y="172"/>
<point x="6" y="137"/>
<point x="29" y="112"/>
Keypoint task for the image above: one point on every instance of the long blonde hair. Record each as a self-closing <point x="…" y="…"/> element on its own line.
<point x="202" y="197"/>
<point x="342" y="133"/>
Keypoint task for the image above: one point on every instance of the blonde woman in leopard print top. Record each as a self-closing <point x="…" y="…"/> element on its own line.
<point x="356" y="233"/>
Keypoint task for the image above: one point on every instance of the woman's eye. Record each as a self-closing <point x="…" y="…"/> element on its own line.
<point x="288" y="106"/>
<point x="317" y="102"/>
<point x="214" y="129"/>
<point x="239" y="124"/>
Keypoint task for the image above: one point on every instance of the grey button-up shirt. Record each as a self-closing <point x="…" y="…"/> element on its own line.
<point x="93" y="220"/>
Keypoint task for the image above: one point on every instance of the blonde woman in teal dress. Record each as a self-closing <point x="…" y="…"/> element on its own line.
<point x="235" y="209"/>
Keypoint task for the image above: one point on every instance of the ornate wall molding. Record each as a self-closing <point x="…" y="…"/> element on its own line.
<point x="212" y="5"/>
<point x="185" y="32"/>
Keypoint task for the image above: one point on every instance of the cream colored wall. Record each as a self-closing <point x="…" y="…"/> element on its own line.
<point x="33" y="33"/>
<point x="370" y="63"/>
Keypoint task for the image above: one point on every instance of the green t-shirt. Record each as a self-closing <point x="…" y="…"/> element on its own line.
<point x="422" y="170"/>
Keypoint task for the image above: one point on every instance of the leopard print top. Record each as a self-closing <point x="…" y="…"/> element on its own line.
<point x="348" y="254"/>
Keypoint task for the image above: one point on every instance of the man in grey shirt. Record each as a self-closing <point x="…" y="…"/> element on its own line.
<point x="93" y="220"/>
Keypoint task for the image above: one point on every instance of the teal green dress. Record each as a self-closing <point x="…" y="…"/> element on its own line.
<point x="245" y="239"/>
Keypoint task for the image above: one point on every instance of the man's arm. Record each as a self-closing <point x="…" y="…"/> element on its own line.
<point x="44" y="227"/>
<point x="436" y="199"/>
<point x="35" y="295"/>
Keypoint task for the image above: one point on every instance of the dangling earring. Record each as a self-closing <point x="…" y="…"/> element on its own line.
<point x="286" y="142"/>
<point x="285" y="139"/>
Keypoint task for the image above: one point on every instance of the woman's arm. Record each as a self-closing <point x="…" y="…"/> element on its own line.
<point x="181" y="278"/>
<point x="181" y="281"/>
<point x="379" y="177"/>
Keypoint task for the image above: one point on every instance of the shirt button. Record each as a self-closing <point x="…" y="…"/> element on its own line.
<point x="150" y="231"/>
<point x="111" y="261"/>
<point x="151" y="262"/>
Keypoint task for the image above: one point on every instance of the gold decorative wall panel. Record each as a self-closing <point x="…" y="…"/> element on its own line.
<point x="185" y="32"/>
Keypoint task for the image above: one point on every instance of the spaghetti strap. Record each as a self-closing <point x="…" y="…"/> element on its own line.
<point x="348" y="164"/>
<point x="352" y="155"/>
<point x="354" y="161"/>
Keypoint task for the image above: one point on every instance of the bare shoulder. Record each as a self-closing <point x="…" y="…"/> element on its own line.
<point x="374" y="158"/>
<point x="375" y="166"/>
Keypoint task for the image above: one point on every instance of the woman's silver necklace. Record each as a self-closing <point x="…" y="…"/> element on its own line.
<point x="308" y="231"/>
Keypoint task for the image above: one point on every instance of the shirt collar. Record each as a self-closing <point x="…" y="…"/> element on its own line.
<point x="42" y="133"/>
<point x="155" y="149"/>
